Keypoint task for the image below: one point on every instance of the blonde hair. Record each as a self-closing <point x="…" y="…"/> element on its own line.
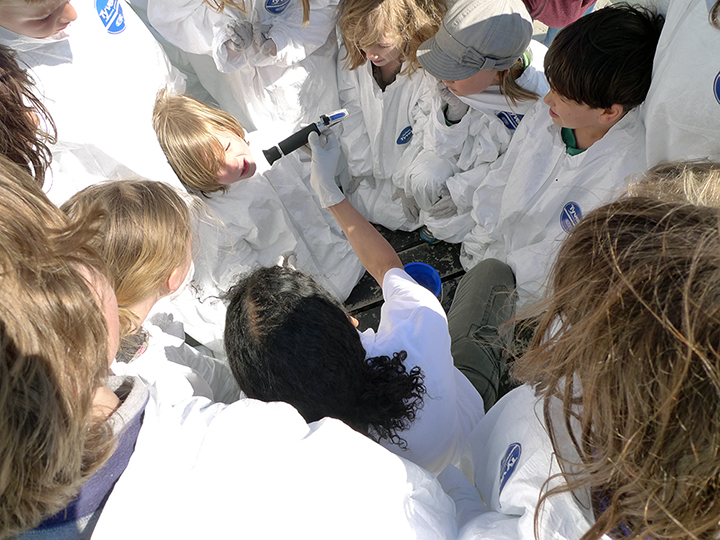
<point x="630" y="346"/>
<point x="23" y="140"/>
<point x="53" y="355"/>
<point x="144" y="235"/>
<point x="696" y="182"/>
<point x="408" y="23"/>
<point x="509" y="87"/>
<point x="220" y="5"/>
<point x="183" y="126"/>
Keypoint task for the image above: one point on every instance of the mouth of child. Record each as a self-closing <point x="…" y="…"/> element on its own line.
<point x="552" y="114"/>
<point x="63" y="27"/>
<point x="245" y="167"/>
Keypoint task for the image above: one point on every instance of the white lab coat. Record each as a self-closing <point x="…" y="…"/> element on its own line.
<point x="261" y="91"/>
<point x="682" y="108"/>
<point x="378" y="131"/>
<point x="257" y="470"/>
<point x="458" y="157"/>
<point x="176" y="370"/>
<point x="536" y="193"/>
<point x="412" y="320"/>
<point x="513" y="457"/>
<point x="274" y="213"/>
<point x="99" y="85"/>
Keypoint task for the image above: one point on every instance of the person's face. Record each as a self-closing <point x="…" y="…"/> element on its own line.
<point x="383" y="52"/>
<point x="571" y="114"/>
<point x="37" y="21"/>
<point x="239" y="163"/>
<point x="474" y="84"/>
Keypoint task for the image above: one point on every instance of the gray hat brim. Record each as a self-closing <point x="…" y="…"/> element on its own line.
<point x="440" y="65"/>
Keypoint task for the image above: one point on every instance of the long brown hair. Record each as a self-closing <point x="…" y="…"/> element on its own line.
<point x="630" y="347"/>
<point x="53" y="355"/>
<point x="26" y="128"/>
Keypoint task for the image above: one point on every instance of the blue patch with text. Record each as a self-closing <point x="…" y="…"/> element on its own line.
<point x="276" y="6"/>
<point x="716" y="87"/>
<point x="511" y="120"/>
<point x="111" y="15"/>
<point x="405" y="135"/>
<point x="508" y="463"/>
<point x="570" y="216"/>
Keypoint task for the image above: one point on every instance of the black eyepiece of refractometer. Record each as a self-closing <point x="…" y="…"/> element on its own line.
<point x="292" y="143"/>
<point x="272" y="154"/>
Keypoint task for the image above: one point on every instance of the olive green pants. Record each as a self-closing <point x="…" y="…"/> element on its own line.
<point x="484" y="300"/>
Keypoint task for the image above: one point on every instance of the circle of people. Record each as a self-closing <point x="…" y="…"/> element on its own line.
<point x="176" y="359"/>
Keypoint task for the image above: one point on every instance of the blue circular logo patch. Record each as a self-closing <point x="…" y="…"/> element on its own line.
<point x="111" y="15"/>
<point x="405" y="135"/>
<point x="570" y="216"/>
<point x="716" y="87"/>
<point x="510" y="119"/>
<point x="276" y="6"/>
<point x="508" y="463"/>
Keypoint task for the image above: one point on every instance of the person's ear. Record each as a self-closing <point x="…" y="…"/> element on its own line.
<point x="175" y="279"/>
<point x="612" y="114"/>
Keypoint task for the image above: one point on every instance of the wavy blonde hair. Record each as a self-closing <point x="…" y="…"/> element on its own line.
<point x="696" y="182"/>
<point x="510" y="88"/>
<point x="53" y="355"/>
<point x="407" y="23"/>
<point x="182" y="125"/>
<point x="630" y="346"/>
<point x="144" y="235"/>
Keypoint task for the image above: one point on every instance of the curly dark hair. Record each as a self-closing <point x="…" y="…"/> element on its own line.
<point x="287" y="339"/>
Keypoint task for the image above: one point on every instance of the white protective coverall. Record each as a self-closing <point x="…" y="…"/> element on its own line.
<point x="682" y="108"/>
<point x="456" y="158"/>
<point x="412" y="320"/>
<point x="513" y="457"/>
<point x="257" y="470"/>
<point x="98" y="79"/>
<point x="274" y="213"/>
<point x="536" y="193"/>
<point x="261" y="91"/>
<point x="377" y="132"/>
<point x="176" y="370"/>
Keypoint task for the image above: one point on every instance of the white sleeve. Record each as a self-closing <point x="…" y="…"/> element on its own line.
<point x="294" y="40"/>
<point x="193" y="26"/>
<point x="413" y="320"/>
<point x="424" y="176"/>
<point x="446" y="140"/>
<point x="353" y="135"/>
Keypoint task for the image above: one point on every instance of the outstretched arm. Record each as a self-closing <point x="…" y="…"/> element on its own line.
<point x="375" y="253"/>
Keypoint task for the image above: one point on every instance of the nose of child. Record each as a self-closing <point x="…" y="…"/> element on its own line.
<point x="68" y="14"/>
<point x="548" y="99"/>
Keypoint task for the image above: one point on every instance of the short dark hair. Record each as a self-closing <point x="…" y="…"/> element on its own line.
<point x="287" y="339"/>
<point x="605" y="57"/>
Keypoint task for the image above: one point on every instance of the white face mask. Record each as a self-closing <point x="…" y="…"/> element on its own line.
<point x="185" y="284"/>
